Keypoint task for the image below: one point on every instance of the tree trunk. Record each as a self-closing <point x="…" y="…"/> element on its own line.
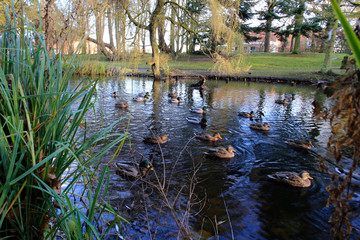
<point x="172" y="32"/>
<point x="326" y="67"/>
<point x="299" y="18"/>
<point x="110" y="28"/>
<point x="155" y="64"/>
<point x="161" y="33"/>
<point x="267" y="35"/>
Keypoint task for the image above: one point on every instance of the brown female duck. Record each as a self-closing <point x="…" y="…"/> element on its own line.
<point x="260" y="126"/>
<point x="293" y="179"/>
<point x="246" y="114"/>
<point x="122" y="105"/>
<point x="221" y="152"/>
<point x="173" y="95"/>
<point x="156" y="139"/>
<point x="208" y="137"/>
<point x="298" y="143"/>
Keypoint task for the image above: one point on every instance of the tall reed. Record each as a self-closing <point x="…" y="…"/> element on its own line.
<point x="40" y="137"/>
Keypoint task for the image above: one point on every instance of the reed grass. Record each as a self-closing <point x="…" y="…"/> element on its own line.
<point x="40" y="138"/>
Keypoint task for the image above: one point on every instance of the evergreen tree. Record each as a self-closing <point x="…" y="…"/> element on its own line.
<point x="245" y="14"/>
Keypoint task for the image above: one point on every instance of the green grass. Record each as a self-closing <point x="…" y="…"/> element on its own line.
<point x="305" y="65"/>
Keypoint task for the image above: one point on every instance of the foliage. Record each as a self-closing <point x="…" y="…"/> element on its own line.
<point x="344" y="117"/>
<point x="40" y="139"/>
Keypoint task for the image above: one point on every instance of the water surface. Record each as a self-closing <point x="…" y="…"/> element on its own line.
<point x="232" y="198"/>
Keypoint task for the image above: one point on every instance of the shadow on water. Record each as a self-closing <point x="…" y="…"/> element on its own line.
<point x="237" y="200"/>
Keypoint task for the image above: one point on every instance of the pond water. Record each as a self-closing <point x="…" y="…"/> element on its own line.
<point x="232" y="199"/>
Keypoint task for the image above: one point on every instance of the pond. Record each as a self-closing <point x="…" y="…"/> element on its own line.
<point x="230" y="199"/>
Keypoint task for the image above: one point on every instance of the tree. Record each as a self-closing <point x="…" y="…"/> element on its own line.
<point x="299" y="19"/>
<point x="271" y="13"/>
<point x="332" y="25"/>
<point x="245" y="15"/>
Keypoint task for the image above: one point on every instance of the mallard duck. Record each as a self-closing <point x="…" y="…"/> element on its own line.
<point x="290" y="96"/>
<point x="221" y="152"/>
<point x="114" y="94"/>
<point x="260" y="126"/>
<point x="279" y="101"/>
<point x="199" y="110"/>
<point x="298" y="143"/>
<point x="140" y="99"/>
<point x="246" y="114"/>
<point x="208" y="137"/>
<point x="173" y="95"/>
<point x="201" y="121"/>
<point x="156" y="139"/>
<point x="147" y="94"/>
<point x="175" y="100"/>
<point x="292" y="178"/>
<point x="132" y="171"/>
<point x="122" y="105"/>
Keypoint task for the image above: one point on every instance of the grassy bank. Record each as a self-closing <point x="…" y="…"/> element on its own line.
<point x="305" y="65"/>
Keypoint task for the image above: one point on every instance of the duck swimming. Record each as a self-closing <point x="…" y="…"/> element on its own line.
<point x="140" y="99"/>
<point x="208" y="137"/>
<point x="147" y="94"/>
<point x="260" y="126"/>
<point x="196" y="120"/>
<point x="199" y="110"/>
<point x="293" y="179"/>
<point x="246" y="114"/>
<point x="132" y="171"/>
<point x="173" y="95"/>
<point x="175" y="100"/>
<point x="156" y="139"/>
<point x="298" y="143"/>
<point x="114" y="94"/>
<point x="122" y="105"/>
<point x="221" y="152"/>
<point x="279" y="101"/>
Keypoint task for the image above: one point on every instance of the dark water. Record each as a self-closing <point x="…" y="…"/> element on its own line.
<point x="237" y="201"/>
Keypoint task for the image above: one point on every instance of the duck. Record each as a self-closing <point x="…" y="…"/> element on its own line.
<point x="156" y="139"/>
<point x="208" y="137"/>
<point x="199" y="110"/>
<point x="173" y="95"/>
<point x="260" y="126"/>
<point x="132" y="171"/>
<point x="140" y="99"/>
<point x="279" y="101"/>
<point x="221" y="152"/>
<point x="290" y="96"/>
<point x="195" y="120"/>
<point x="114" y="94"/>
<point x="246" y="114"/>
<point x="175" y="100"/>
<point x="293" y="179"/>
<point x="122" y="105"/>
<point x="147" y="94"/>
<point x="298" y="143"/>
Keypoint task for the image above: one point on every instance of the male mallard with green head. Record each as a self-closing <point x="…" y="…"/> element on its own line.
<point x="156" y="139"/>
<point x="199" y="110"/>
<point x="221" y="152"/>
<point x="208" y="137"/>
<point x="175" y="100"/>
<point x="132" y="171"/>
<point x="293" y="179"/>
<point x="195" y="120"/>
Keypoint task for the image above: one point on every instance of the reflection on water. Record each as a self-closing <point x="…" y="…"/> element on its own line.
<point x="239" y="201"/>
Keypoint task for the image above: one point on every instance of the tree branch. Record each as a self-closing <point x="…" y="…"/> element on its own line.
<point x="133" y="20"/>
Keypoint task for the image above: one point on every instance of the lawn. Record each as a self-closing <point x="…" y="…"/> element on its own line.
<point x="305" y="65"/>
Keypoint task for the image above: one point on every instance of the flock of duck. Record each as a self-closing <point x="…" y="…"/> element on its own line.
<point x="294" y="179"/>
